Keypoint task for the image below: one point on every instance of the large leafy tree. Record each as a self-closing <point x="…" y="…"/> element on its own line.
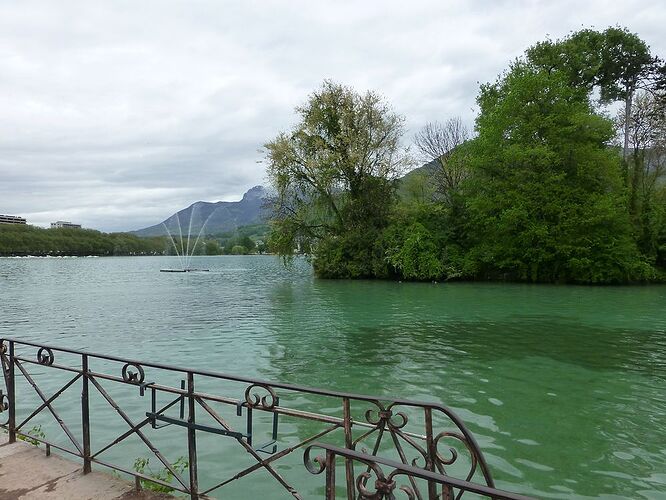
<point x="615" y="61"/>
<point x="546" y="199"/>
<point x="334" y="176"/>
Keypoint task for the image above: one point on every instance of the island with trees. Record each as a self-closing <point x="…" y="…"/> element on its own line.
<point x="550" y="187"/>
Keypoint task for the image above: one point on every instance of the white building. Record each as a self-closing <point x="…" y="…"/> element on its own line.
<point x="62" y="223"/>
<point x="11" y="219"/>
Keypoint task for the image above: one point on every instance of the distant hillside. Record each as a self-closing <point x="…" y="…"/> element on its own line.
<point x="418" y="181"/>
<point x="220" y="217"/>
<point x="228" y="216"/>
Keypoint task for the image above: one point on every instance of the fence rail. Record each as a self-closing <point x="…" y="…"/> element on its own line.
<point x="402" y="434"/>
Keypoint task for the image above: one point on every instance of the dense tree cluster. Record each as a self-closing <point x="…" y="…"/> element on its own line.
<point x="242" y="241"/>
<point x="548" y="189"/>
<point x="20" y="240"/>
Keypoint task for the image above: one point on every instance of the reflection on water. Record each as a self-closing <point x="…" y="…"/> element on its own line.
<point x="563" y="386"/>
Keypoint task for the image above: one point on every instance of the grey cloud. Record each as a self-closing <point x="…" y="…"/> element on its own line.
<point x="117" y="114"/>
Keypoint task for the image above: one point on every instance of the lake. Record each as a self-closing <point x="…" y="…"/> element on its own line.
<point x="563" y="387"/>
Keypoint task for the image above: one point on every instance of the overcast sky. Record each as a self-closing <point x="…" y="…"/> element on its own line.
<point x="117" y="114"/>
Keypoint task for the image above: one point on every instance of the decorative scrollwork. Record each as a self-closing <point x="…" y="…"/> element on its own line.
<point x="383" y="487"/>
<point x="45" y="356"/>
<point x="386" y="415"/>
<point x="3" y="347"/>
<point x="254" y="400"/>
<point x="316" y="465"/>
<point x="441" y="461"/>
<point x="4" y="402"/>
<point x="133" y="377"/>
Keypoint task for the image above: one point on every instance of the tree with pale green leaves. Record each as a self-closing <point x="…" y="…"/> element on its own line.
<point x="334" y="174"/>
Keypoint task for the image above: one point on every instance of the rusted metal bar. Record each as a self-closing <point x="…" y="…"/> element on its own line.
<point x="349" y="439"/>
<point x="401" y="453"/>
<point x="431" y="451"/>
<point x="141" y="435"/>
<point x="251" y="451"/>
<point x="192" y="438"/>
<point x="47" y="443"/>
<point x="421" y="437"/>
<point x="11" y="395"/>
<point x="401" y="469"/>
<point x="60" y="421"/>
<point x="132" y="430"/>
<point x="48" y="402"/>
<point x="85" y="416"/>
<point x="139" y="475"/>
<point x="207" y="373"/>
<point x="330" y="475"/>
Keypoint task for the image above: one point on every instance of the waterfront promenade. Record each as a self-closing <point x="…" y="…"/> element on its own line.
<point x="27" y="473"/>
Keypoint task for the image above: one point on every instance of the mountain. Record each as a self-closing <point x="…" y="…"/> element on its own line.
<point x="225" y="216"/>
<point x="219" y="217"/>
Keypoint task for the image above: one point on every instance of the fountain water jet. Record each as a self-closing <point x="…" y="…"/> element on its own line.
<point x="185" y="255"/>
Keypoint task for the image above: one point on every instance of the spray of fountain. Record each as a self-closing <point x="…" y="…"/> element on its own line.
<point x="186" y="253"/>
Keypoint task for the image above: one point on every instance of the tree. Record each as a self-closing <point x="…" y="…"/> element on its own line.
<point x="437" y="143"/>
<point x="546" y="196"/>
<point x="615" y="61"/>
<point x="646" y="128"/>
<point x="334" y="173"/>
<point x="212" y="247"/>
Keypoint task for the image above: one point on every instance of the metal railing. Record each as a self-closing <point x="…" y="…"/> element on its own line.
<point x="385" y="484"/>
<point x="402" y="434"/>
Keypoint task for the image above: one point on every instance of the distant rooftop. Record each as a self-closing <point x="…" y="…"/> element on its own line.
<point x="64" y="223"/>
<point x="12" y="219"/>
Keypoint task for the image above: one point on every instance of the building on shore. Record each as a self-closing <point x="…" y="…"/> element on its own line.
<point x="12" y="219"/>
<point x="61" y="223"/>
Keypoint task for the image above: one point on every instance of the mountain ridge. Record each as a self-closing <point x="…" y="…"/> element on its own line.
<point x="207" y="217"/>
<point x="225" y="216"/>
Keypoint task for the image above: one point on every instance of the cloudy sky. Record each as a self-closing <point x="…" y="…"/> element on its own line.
<point x="117" y="114"/>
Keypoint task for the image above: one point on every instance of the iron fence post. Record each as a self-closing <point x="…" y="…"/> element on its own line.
<point x="430" y="446"/>
<point x="349" y="440"/>
<point x="192" y="438"/>
<point x="11" y="395"/>
<point x="330" y="475"/>
<point x="85" y="416"/>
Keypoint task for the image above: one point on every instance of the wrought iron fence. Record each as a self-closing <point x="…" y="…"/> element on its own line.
<point x="385" y="484"/>
<point x="404" y="435"/>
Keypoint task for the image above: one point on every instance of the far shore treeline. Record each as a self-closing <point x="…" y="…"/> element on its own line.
<point x="549" y="187"/>
<point x="25" y="240"/>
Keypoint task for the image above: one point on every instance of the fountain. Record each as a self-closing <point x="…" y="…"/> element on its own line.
<point x="185" y="255"/>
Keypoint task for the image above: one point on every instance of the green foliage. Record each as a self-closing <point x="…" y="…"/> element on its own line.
<point x="142" y="466"/>
<point x="354" y="255"/>
<point x="334" y="175"/>
<point x="18" y="239"/>
<point x="541" y="197"/>
<point x="547" y="196"/>
<point x="37" y="432"/>
<point x="613" y="60"/>
<point x="212" y="247"/>
<point x="416" y="253"/>
<point x="417" y="187"/>
<point x="246" y="237"/>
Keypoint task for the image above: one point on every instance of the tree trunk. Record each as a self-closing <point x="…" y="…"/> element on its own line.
<point x="629" y="95"/>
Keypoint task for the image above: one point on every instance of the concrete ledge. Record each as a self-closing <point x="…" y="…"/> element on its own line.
<point x="26" y="473"/>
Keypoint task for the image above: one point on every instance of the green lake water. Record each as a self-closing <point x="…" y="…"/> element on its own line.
<point x="563" y="387"/>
